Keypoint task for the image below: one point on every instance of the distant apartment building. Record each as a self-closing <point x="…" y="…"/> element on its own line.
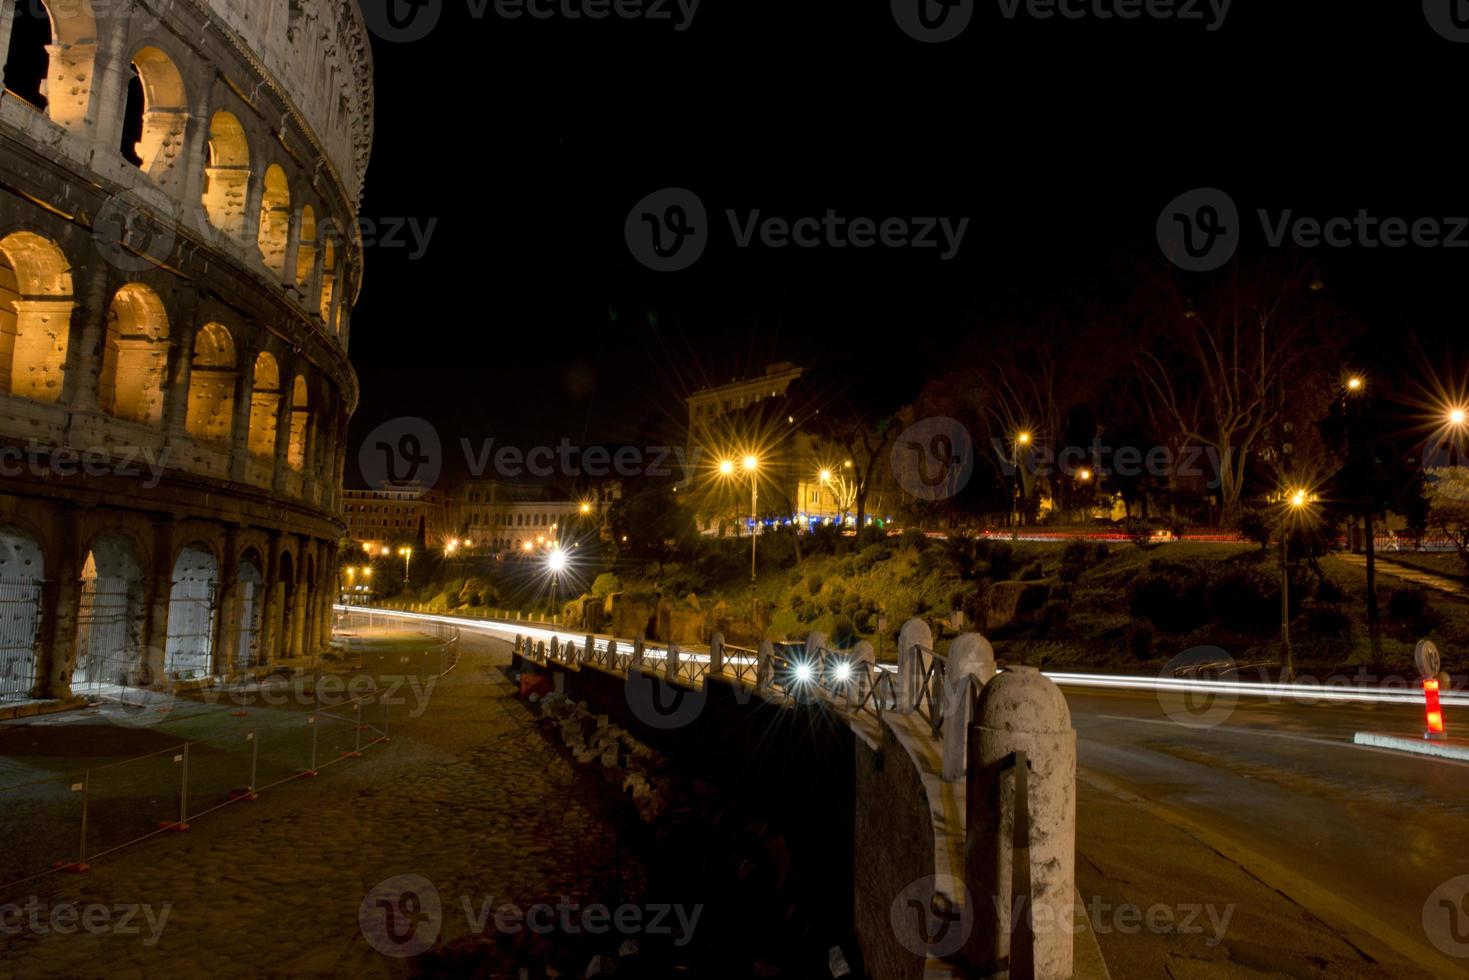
<point x="390" y="517"/>
<point x="500" y="516"/>
<point x="708" y="404"/>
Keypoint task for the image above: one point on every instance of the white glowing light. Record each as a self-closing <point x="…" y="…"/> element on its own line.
<point x="844" y="672"/>
<point x="556" y="561"/>
<point x="803" y="673"/>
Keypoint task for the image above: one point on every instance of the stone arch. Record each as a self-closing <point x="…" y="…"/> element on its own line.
<point x="35" y="316"/>
<point x="306" y="250"/>
<point x="275" y="219"/>
<point x="328" y="280"/>
<point x="265" y="403"/>
<point x="227" y="175"/>
<point x="212" y="385"/>
<point x="52" y="58"/>
<point x="300" y="416"/>
<point x="111" y="615"/>
<point x="156" y="113"/>
<point x="192" y="607"/>
<point x="22" y="570"/>
<point x="135" y="358"/>
<point x="251" y="583"/>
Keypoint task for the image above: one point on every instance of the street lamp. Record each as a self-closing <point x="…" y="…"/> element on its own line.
<point x="1297" y="500"/>
<point x="751" y="465"/>
<point x="407" y="554"/>
<point x="1022" y="438"/>
<point x="1355" y="383"/>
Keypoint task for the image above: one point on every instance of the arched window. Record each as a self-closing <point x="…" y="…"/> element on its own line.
<point x="35" y="316"/>
<point x="265" y="401"/>
<point x="110" y="615"/>
<point x="212" y="385"/>
<point x="135" y="360"/>
<point x="275" y="219"/>
<point x="21" y="574"/>
<point x="328" y="280"/>
<point x="189" y="651"/>
<point x="53" y="51"/>
<point x="300" y="415"/>
<point x="227" y="177"/>
<point x="306" y="251"/>
<point x="155" y="115"/>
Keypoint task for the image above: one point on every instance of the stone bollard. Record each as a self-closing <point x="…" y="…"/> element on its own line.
<point x="555" y="648"/>
<point x="1020" y="846"/>
<point x="670" y="663"/>
<point x="611" y="654"/>
<point x="637" y="653"/>
<point x="716" y="653"/>
<point x="862" y="661"/>
<point x="588" y="653"/>
<point x="915" y="633"/>
<point x="519" y="645"/>
<point x="541" y="650"/>
<point x="970" y="655"/>
<point x="765" y="667"/>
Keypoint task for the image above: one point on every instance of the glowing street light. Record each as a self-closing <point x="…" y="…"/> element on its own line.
<point x="556" y="561"/>
<point x="586" y="508"/>
<point x="1297" y="499"/>
<point x="1356" y="383"/>
<point x="726" y="467"/>
<point x="1084" y="475"/>
<point x="526" y="546"/>
<point x="407" y="554"/>
<point x="751" y="464"/>
<point x="1456" y="417"/>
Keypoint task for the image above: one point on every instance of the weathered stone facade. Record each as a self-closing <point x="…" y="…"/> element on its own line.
<point x="178" y="259"/>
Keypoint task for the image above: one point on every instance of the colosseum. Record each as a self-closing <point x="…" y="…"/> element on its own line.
<point x="179" y="190"/>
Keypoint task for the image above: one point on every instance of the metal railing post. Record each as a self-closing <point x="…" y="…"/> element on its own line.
<point x="254" y="764"/>
<point x="86" y="803"/>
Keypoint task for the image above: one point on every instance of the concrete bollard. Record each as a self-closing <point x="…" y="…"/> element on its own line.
<point x="915" y="633"/>
<point x="637" y="652"/>
<point x="970" y="655"/>
<point x="555" y="648"/>
<point x="765" y="667"/>
<point x="1020" y="847"/>
<point x="589" y="652"/>
<point x="541" y="650"/>
<point x="670" y="663"/>
<point x="716" y="653"/>
<point x="611" y="654"/>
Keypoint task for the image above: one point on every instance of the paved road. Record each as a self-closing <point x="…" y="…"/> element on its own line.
<point x="1349" y="842"/>
<point x="467" y="794"/>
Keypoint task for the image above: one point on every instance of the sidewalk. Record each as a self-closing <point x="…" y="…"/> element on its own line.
<point x="1428" y="580"/>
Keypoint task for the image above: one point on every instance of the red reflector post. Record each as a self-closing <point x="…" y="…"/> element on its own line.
<point x="1435" y="712"/>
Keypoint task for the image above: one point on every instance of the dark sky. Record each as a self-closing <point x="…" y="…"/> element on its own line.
<point x="527" y="142"/>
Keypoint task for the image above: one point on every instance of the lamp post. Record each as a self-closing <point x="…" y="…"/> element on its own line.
<point x="407" y="554"/>
<point x="1296" y="501"/>
<point x="1021" y="439"/>
<point x="752" y="466"/>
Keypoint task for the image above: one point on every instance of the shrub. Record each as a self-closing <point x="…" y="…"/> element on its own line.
<point x="1245" y="599"/>
<point x="823" y="540"/>
<point x="1254" y="525"/>
<point x="1001" y="558"/>
<point x="843" y="632"/>
<point x="870" y="535"/>
<point x="1052" y="618"/>
<point x="1060" y="592"/>
<point x="606" y="584"/>
<point x="912" y="540"/>
<point x="1140" y="640"/>
<point x="1171" y="597"/>
<point x="1138" y="531"/>
<point x="814" y="583"/>
<point x="1032" y="572"/>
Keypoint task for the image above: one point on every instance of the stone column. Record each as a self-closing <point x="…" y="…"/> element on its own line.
<point x="254" y="197"/>
<point x="88" y="337"/>
<point x="297" y="632"/>
<point x="7" y="23"/>
<point x="196" y="156"/>
<point x="293" y="250"/>
<point x="244" y="393"/>
<point x="270" y="623"/>
<point x="1020" y="831"/>
<point x="61" y="597"/>
<point x="227" y="646"/>
<point x="110" y="82"/>
<point x="328" y="598"/>
<point x="159" y="591"/>
<point x="970" y="656"/>
<point x="716" y="653"/>
<point x="915" y="633"/>
<point x="283" y="413"/>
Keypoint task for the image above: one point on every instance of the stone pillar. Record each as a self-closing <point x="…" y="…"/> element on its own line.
<point x="196" y="153"/>
<point x="110" y="82"/>
<point x="293" y="250"/>
<point x="180" y="374"/>
<point x="226" y="648"/>
<point x="159" y="591"/>
<point x="271" y="624"/>
<point x="670" y="663"/>
<point x="1020" y="846"/>
<point x="254" y="198"/>
<point x="765" y="668"/>
<point x="283" y="415"/>
<point x="638" y="649"/>
<point x="7" y="23"/>
<point x="716" y="653"/>
<point x="863" y="663"/>
<point x="297" y="634"/>
<point x="970" y="656"/>
<point x="915" y="633"/>
<point x="61" y="596"/>
<point x="240" y="424"/>
<point x="88" y="337"/>
<point x="328" y="598"/>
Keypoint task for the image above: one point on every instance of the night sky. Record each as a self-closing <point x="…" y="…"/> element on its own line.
<point x="527" y="142"/>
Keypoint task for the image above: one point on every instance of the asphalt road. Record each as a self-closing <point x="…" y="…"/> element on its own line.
<point x="1361" y="839"/>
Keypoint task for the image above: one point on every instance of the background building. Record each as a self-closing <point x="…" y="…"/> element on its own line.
<point x="179" y="188"/>
<point x="395" y="517"/>
<point x="500" y="516"/>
